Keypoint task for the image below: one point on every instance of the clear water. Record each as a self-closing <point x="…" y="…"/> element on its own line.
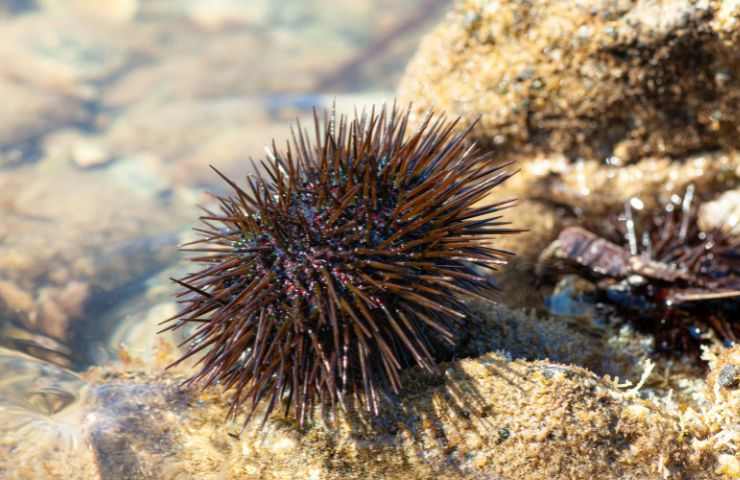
<point x="113" y="112"/>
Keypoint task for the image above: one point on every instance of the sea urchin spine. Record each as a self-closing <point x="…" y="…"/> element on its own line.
<point x="347" y="264"/>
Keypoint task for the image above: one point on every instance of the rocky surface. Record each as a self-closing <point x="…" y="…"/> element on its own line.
<point x="594" y="102"/>
<point x="600" y="104"/>
<point x="592" y="79"/>
<point x="487" y="417"/>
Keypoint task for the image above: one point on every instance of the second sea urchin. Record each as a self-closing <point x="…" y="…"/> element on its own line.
<point x="344" y="262"/>
<point x="662" y="271"/>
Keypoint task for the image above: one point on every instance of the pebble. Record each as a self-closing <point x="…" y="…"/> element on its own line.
<point x="218" y="14"/>
<point x="87" y="154"/>
<point x="729" y="376"/>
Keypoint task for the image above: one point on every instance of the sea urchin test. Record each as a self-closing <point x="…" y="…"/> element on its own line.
<point x="346" y="258"/>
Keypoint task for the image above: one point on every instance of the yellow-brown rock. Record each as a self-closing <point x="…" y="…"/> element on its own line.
<point x="486" y="417"/>
<point x="593" y="79"/>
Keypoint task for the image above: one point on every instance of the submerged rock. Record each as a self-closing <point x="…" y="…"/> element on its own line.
<point x="591" y="79"/>
<point x="75" y="239"/>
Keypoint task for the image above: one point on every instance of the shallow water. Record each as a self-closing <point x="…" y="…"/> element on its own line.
<point x="114" y="110"/>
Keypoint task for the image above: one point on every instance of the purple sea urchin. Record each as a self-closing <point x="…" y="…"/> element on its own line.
<point x="347" y="264"/>
<point x="667" y="275"/>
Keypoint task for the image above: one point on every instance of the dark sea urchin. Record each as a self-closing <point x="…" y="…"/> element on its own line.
<point x="348" y="264"/>
<point x="663" y="272"/>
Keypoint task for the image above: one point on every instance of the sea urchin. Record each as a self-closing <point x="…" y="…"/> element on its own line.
<point x="662" y="271"/>
<point x="347" y="264"/>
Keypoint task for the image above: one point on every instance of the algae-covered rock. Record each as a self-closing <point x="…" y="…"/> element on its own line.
<point x="485" y="417"/>
<point x="596" y="102"/>
<point x="717" y="422"/>
<point x="593" y="79"/>
<point x="591" y="188"/>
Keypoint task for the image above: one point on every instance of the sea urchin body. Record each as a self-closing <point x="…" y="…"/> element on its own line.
<point x="346" y="260"/>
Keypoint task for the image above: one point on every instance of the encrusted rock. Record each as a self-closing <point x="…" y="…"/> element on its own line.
<point x="594" y="79"/>
<point x="724" y="378"/>
<point x="591" y="188"/>
<point x="485" y="418"/>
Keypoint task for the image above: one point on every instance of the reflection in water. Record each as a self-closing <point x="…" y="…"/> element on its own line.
<point x="37" y="408"/>
<point x="35" y="344"/>
<point x="125" y="104"/>
<point x="36" y="386"/>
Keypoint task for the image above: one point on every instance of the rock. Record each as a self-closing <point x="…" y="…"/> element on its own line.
<point x="51" y="72"/>
<point x="84" y="151"/>
<point x="722" y="213"/>
<point x="591" y="188"/>
<point x="218" y="130"/>
<point x="485" y="418"/>
<point x="518" y="334"/>
<point x="595" y="79"/>
<point x="109" y="10"/>
<point x="28" y="114"/>
<point x="595" y="102"/>
<point x="717" y="420"/>
<point x="199" y="68"/>
<point x="729" y="377"/>
<point x="723" y="381"/>
<point x="89" y="154"/>
<point x="57" y="305"/>
<point x="14" y="298"/>
<point x="60" y="54"/>
<point x="215" y="15"/>
<point x="75" y="236"/>
<point x="319" y="47"/>
<point x="141" y="173"/>
<point x="187" y="136"/>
